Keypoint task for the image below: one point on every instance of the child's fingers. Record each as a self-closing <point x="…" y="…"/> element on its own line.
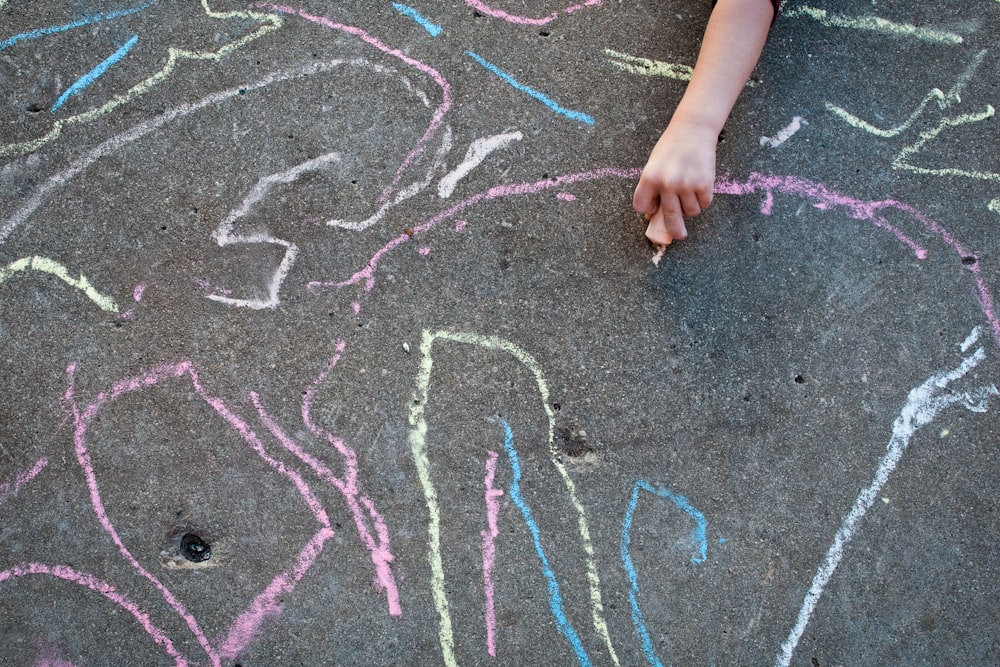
<point x="646" y="198"/>
<point x="673" y="218"/>
<point x="690" y="204"/>
<point x="656" y="230"/>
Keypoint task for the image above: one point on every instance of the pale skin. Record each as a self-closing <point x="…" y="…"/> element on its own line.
<point x="679" y="176"/>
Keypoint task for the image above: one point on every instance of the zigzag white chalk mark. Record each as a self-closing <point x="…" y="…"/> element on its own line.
<point x="224" y="233"/>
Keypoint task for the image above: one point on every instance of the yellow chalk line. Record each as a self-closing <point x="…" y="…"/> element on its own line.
<point x="647" y="67"/>
<point x="174" y="55"/>
<point x="995" y="204"/>
<point x="900" y="162"/>
<point x="418" y="445"/>
<point x="858" y="123"/>
<point x="46" y="265"/>
<point x="874" y="24"/>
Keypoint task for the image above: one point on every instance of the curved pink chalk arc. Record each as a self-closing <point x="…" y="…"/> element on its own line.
<point x="103" y="588"/>
<point x="483" y="8"/>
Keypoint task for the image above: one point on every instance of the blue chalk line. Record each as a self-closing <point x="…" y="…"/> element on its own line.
<point x="555" y="599"/>
<point x="541" y="97"/>
<point x="79" y="23"/>
<point x="633" y="577"/>
<point x="90" y="77"/>
<point x="433" y="28"/>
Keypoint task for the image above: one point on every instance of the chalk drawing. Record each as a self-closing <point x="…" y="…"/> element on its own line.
<point x="72" y="25"/>
<point x="348" y="486"/>
<point x="815" y="193"/>
<point x="102" y="588"/>
<point x="555" y="598"/>
<point x="698" y="538"/>
<point x="994" y="204"/>
<point x="902" y="160"/>
<point x="90" y="77"/>
<point x="10" y="489"/>
<point x="647" y="67"/>
<point x="531" y="92"/>
<point x="483" y="8"/>
<point x="923" y="404"/>
<point x="489" y="536"/>
<point x="224" y="235"/>
<point x="54" y="268"/>
<point x="785" y="134"/>
<point x="269" y="23"/>
<point x="432" y="28"/>
<point x="944" y="101"/>
<point x="265" y="604"/>
<point x="418" y="448"/>
<point x="439" y="113"/>
<point x="873" y="24"/>
<point x="474" y="156"/>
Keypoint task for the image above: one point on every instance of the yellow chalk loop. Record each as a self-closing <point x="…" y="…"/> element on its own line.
<point x="51" y="267"/>
<point x="418" y="446"/>
<point x="270" y="23"/>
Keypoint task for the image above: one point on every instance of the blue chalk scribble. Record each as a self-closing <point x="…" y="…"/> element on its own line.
<point x="79" y="23"/>
<point x="95" y="73"/>
<point x="555" y="599"/>
<point x="433" y="28"/>
<point x="541" y="97"/>
<point x="633" y="595"/>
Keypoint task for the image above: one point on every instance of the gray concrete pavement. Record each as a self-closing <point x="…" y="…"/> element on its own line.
<point x="330" y="338"/>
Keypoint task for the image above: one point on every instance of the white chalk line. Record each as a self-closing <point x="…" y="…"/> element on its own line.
<point x="785" y="134"/>
<point x="117" y="142"/>
<point x="923" y="404"/>
<point x="478" y="151"/>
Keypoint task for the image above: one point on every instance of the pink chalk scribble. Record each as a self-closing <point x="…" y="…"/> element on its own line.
<point x="247" y="624"/>
<point x="425" y="251"/>
<point x="138" y="292"/>
<point x="493" y="495"/>
<point x="812" y="192"/>
<point x="566" y="196"/>
<point x="483" y="8"/>
<point x="102" y="588"/>
<point x="355" y="307"/>
<point x="349" y="487"/>
<point x="460" y="225"/>
<point x="10" y="489"/>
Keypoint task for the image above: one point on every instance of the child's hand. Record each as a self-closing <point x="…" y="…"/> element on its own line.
<point x="677" y="180"/>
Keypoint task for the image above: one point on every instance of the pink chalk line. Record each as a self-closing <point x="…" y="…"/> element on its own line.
<point x="102" y="588"/>
<point x="10" y="489"/>
<point x="246" y="625"/>
<point x="490" y="551"/>
<point x="566" y="196"/>
<point x="379" y="549"/>
<point x="816" y="193"/>
<point x="439" y="113"/>
<point x="483" y="8"/>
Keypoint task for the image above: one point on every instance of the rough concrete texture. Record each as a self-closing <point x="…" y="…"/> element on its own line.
<point x="323" y="343"/>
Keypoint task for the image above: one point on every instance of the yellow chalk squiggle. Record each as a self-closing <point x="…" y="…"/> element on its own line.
<point x="418" y="446"/>
<point x="271" y="22"/>
<point x="46" y="265"/>
<point x="901" y="161"/>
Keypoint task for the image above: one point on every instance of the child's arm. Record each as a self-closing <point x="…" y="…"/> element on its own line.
<point x="680" y="174"/>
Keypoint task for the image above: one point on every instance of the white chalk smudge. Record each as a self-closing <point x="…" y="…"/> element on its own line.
<point x="477" y="152"/>
<point x="785" y="134"/>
